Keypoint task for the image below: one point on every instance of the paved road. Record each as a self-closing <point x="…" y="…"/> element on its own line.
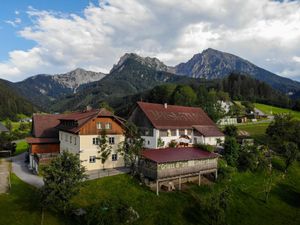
<point x="20" y="168"/>
<point x="4" y="173"/>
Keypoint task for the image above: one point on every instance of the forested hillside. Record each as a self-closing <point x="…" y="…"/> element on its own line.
<point x="205" y="94"/>
<point x="12" y="103"/>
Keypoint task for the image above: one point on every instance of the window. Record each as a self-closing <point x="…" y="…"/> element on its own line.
<point x="111" y="140"/>
<point x="92" y="159"/>
<point x="173" y="132"/>
<point x="163" y="133"/>
<point x="148" y="142"/>
<point x="66" y="137"/>
<point x="114" y="157"/>
<point x="75" y="141"/>
<point x="189" y="132"/>
<point x="108" y="126"/>
<point x="181" y="132"/>
<point x="99" y="125"/>
<point x="70" y="139"/>
<point x="96" y="141"/>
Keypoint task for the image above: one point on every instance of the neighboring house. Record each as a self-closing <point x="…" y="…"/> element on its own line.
<point x="171" y="167"/>
<point x="161" y="124"/>
<point x="3" y="129"/>
<point x="44" y="143"/>
<point x="228" y="121"/>
<point x="79" y="133"/>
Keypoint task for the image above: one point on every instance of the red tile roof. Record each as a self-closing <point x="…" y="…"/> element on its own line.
<point x="174" y="116"/>
<point x="177" y="154"/>
<point x="32" y="140"/>
<point x="209" y="131"/>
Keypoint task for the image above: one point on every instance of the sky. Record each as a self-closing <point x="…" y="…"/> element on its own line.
<point x="54" y="36"/>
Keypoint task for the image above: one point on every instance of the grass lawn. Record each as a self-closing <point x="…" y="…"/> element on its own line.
<point x="246" y="206"/>
<point x="20" y="206"/>
<point x="22" y="146"/>
<point x="256" y="130"/>
<point x="269" y="110"/>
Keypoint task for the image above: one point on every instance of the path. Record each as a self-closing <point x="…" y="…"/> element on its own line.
<point x="20" y="168"/>
<point x="4" y="176"/>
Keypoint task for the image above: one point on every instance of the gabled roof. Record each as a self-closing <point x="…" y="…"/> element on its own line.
<point x="177" y="154"/>
<point x="209" y="131"/>
<point x="44" y="125"/>
<point x="174" y="116"/>
<point x="81" y="118"/>
<point x="3" y="128"/>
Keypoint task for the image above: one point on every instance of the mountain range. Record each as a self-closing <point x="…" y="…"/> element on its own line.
<point x="133" y="74"/>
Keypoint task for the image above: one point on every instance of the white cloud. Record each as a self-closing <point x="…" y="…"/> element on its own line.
<point x="14" y="23"/>
<point x="264" y="32"/>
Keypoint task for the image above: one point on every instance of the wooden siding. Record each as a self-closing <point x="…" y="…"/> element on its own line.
<point x="90" y="128"/>
<point x="167" y="170"/>
<point x="44" y="148"/>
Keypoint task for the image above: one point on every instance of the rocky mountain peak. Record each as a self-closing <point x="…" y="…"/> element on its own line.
<point x="77" y="77"/>
<point x="154" y="63"/>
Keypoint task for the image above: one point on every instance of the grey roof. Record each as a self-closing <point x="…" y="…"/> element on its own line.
<point x="3" y="128"/>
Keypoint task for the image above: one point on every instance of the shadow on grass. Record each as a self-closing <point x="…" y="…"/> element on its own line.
<point x="288" y="195"/>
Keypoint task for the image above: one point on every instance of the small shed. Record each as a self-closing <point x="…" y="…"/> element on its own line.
<point x="169" y="164"/>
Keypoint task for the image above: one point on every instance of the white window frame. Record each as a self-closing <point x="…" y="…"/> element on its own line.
<point x="108" y="126"/>
<point x="111" y="140"/>
<point x="92" y="159"/>
<point x="114" y="157"/>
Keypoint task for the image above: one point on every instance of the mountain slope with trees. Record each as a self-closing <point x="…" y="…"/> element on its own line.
<point x="212" y="64"/>
<point x="11" y="103"/>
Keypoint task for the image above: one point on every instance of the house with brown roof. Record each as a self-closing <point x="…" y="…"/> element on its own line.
<point x="160" y="124"/>
<point x="44" y="143"/>
<point x="78" y="133"/>
<point x="170" y="167"/>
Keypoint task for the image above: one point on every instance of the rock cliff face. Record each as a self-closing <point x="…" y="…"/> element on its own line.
<point x="77" y="77"/>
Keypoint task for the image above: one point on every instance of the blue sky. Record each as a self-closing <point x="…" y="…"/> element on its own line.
<point x="56" y="36"/>
<point x="12" y="9"/>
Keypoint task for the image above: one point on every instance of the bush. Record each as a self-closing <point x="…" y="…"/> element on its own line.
<point x="109" y="213"/>
<point x="231" y="150"/>
<point x="231" y="130"/>
<point x="208" y="148"/>
<point x="278" y="163"/>
<point x="172" y="144"/>
<point x="224" y="171"/>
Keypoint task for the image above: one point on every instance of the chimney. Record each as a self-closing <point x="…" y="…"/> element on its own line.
<point x="166" y="105"/>
<point x="88" y="108"/>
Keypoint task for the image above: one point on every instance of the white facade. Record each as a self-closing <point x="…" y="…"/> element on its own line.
<point x="88" y="150"/>
<point x="208" y="140"/>
<point x="228" y="121"/>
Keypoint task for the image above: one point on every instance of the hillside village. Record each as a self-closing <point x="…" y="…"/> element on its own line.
<point x="166" y="148"/>
<point x="150" y="112"/>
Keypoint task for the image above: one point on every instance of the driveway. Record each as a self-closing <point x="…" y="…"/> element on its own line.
<point x="4" y="173"/>
<point x="20" y="168"/>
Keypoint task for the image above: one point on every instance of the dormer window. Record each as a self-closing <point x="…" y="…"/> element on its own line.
<point x="108" y="126"/>
<point x="99" y="125"/>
